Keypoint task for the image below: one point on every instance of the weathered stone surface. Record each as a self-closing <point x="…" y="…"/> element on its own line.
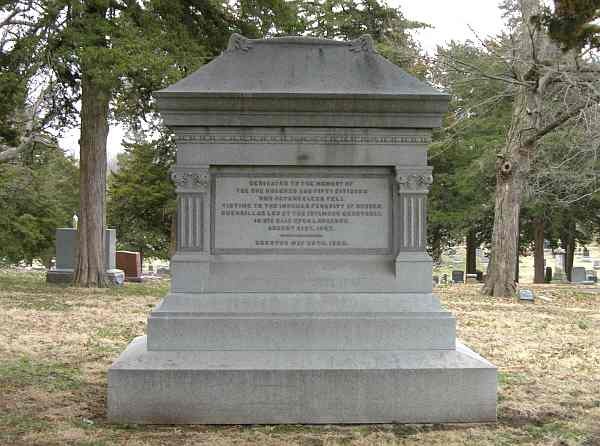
<point x="250" y="387"/>
<point x="301" y="286"/>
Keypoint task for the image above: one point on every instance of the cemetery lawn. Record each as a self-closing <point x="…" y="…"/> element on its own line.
<point x="56" y="344"/>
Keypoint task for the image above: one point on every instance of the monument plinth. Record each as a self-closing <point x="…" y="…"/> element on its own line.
<point x="301" y="290"/>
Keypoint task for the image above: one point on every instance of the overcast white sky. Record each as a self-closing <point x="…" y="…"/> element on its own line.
<point x="450" y="20"/>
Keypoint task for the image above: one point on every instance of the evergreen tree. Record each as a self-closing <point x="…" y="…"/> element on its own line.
<point x="38" y="194"/>
<point x="141" y="198"/>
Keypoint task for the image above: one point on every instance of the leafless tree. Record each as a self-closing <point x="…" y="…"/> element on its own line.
<point x="551" y="89"/>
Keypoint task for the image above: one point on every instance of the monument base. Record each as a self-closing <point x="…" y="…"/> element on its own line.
<point x="113" y="276"/>
<point x="293" y="386"/>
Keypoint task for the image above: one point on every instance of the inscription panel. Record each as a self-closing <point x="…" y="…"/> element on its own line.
<point x="302" y="211"/>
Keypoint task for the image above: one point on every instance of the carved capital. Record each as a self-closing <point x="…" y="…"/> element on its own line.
<point x="363" y="44"/>
<point x="191" y="179"/>
<point x="238" y="42"/>
<point x="415" y="180"/>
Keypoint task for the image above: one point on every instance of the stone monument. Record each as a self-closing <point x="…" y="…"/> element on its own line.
<point x="301" y="290"/>
<point x="65" y="244"/>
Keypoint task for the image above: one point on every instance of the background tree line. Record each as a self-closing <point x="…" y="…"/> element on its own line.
<point x="515" y="163"/>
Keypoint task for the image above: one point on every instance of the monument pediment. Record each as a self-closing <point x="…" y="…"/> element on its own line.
<point x="299" y="74"/>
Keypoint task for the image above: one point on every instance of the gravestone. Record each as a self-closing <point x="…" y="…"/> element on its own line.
<point x="131" y="264"/>
<point x="301" y="289"/>
<point x="578" y="274"/>
<point x="479" y="275"/>
<point x="591" y="276"/>
<point x="458" y="276"/>
<point x="471" y="278"/>
<point x="548" y="274"/>
<point x="559" y="274"/>
<point x="66" y="243"/>
<point x="526" y="294"/>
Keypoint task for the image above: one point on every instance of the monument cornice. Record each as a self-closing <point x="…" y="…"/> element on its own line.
<point x="236" y="138"/>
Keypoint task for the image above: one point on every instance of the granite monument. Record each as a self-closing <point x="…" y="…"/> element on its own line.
<point x="301" y="289"/>
<point x="66" y="243"/>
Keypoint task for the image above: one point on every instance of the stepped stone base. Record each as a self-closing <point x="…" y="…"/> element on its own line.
<point x="299" y="386"/>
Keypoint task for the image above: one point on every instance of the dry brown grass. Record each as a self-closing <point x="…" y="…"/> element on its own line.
<point x="57" y="343"/>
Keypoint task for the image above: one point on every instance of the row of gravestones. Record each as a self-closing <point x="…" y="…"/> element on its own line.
<point x="120" y="266"/>
<point x="459" y="277"/>
<point x="578" y="275"/>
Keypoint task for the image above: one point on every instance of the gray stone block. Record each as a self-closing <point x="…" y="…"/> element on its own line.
<point x="301" y="331"/>
<point x="270" y="387"/>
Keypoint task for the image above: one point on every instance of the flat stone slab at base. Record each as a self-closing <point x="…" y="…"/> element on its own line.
<point x="273" y="387"/>
<point x="59" y="276"/>
<point x="113" y="276"/>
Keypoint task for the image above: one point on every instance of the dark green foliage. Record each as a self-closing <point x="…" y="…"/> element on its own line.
<point x="141" y="203"/>
<point x="37" y="195"/>
<point x="572" y="23"/>
<point x="349" y="19"/>
<point x="463" y="153"/>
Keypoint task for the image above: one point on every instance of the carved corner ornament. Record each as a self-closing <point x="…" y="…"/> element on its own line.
<point x="238" y="42"/>
<point x="191" y="180"/>
<point x="362" y="44"/>
<point x="415" y="180"/>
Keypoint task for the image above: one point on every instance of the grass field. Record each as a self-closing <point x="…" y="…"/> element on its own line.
<point x="56" y="344"/>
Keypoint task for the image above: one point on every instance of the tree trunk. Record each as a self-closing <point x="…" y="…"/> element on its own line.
<point x="436" y="246"/>
<point x="90" y="269"/>
<point x="500" y="281"/>
<point x="518" y="257"/>
<point x="512" y="166"/>
<point x="538" y="253"/>
<point x="569" y="247"/>
<point x="471" y="266"/>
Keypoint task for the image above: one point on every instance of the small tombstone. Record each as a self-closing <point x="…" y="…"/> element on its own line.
<point x="471" y="278"/>
<point x="526" y="294"/>
<point x="458" y="276"/>
<point x="163" y="271"/>
<point x="131" y="263"/>
<point x="578" y="274"/>
<point x="559" y="275"/>
<point x="590" y="276"/>
<point x="548" y="274"/>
